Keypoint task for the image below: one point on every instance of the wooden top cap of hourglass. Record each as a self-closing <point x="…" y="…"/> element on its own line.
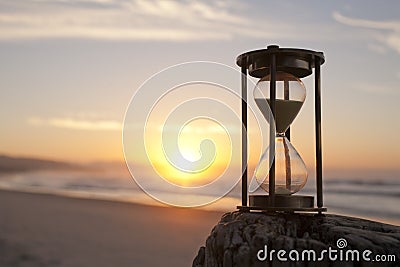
<point x="298" y="62"/>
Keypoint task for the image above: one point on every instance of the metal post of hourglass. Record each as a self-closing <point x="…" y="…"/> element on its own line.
<point x="244" y="136"/>
<point x="299" y="62"/>
<point x="272" y="96"/>
<point x="318" y="141"/>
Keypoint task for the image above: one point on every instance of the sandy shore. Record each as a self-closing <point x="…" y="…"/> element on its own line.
<point x="47" y="230"/>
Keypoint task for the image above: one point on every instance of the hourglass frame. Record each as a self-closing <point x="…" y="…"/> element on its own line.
<point x="299" y="63"/>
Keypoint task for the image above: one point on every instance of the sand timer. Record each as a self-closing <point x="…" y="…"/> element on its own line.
<point x="280" y="94"/>
<point x="290" y="170"/>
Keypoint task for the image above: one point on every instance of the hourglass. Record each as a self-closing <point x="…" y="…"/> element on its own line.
<point x="290" y="170"/>
<point x="280" y="94"/>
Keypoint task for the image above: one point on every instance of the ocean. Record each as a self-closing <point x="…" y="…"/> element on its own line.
<point x="374" y="199"/>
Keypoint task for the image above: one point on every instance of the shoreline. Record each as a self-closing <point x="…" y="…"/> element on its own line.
<point x="218" y="206"/>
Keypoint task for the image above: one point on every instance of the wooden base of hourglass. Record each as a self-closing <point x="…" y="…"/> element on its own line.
<point x="285" y="203"/>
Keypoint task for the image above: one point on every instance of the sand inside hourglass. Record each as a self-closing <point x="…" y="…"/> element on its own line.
<point x="285" y="112"/>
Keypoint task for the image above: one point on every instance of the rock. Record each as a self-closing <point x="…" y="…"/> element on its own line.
<point x="248" y="239"/>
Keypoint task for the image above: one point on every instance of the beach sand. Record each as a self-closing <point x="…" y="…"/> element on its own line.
<point x="48" y="230"/>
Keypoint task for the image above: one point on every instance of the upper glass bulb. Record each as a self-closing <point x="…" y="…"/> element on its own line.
<point x="290" y="96"/>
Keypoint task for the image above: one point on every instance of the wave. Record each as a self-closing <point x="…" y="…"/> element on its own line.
<point x="368" y="198"/>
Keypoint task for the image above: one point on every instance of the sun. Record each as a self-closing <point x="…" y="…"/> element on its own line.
<point x="202" y="154"/>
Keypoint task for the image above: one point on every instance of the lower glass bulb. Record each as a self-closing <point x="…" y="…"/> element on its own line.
<point x="290" y="170"/>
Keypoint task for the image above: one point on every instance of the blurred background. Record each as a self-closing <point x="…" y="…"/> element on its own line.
<point x="68" y="69"/>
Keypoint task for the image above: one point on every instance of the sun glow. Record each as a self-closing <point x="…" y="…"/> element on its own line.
<point x="190" y="150"/>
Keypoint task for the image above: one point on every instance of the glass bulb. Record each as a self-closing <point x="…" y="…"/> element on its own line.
<point x="290" y="96"/>
<point x="290" y="170"/>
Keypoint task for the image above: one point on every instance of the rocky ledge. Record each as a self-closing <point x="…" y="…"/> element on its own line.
<point x="258" y="239"/>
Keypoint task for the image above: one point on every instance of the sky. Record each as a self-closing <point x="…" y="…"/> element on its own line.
<point x="69" y="68"/>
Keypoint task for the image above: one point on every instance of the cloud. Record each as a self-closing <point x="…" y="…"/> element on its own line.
<point x="150" y="20"/>
<point x="378" y="89"/>
<point x="156" y="20"/>
<point x="129" y="20"/>
<point x="77" y="124"/>
<point x="387" y="32"/>
<point x="372" y="24"/>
